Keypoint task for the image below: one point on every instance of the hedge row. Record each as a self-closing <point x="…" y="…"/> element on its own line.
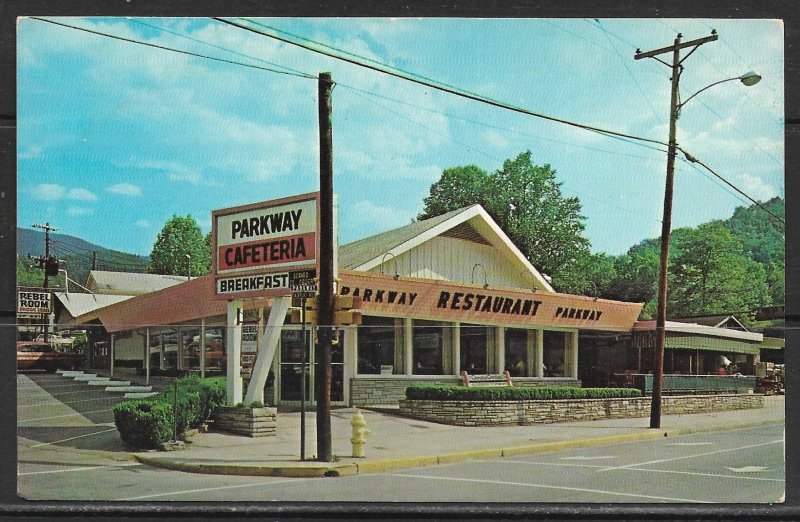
<point x="147" y="423"/>
<point x="438" y="392"/>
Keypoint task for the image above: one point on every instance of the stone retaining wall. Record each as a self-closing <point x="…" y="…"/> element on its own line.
<point x="252" y="422"/>
<point x="497" y="413"/>
<point x="377" y="390"/>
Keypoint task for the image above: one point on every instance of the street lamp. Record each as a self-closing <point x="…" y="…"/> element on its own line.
<point x="748" y="79"/>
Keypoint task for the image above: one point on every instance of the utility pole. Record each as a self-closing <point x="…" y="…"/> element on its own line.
<point x="325" y="326"/>
<point x="47" y="229"/>
<point x="666" y="223"/>
<point x="46" y="263"/>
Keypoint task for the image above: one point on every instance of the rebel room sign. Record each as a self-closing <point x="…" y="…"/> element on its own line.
<point x="33" y="302"/>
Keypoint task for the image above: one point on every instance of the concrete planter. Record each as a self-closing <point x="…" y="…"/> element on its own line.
<point x="372" y="390"/>
<point x="251" y="422"/>
<point x="499" y="413"/>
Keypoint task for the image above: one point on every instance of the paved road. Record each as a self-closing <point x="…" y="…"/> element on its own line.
<point x="65" y="455"/>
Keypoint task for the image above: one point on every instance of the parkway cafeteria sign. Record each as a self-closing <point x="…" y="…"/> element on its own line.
<point x="258" y="248"/>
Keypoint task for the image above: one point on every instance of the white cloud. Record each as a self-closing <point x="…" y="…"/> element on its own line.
<point x="495" y="139"/>
<point x="142" y="223"/>
<point x="48" y="191"/>
<point x="125" y="189"/>
<point x="80" y="211"/>
<point x="81" y="194"/>
<point x="31" y="151"/>
<point x="369" y="212"/>
<point x="756" y="187"/>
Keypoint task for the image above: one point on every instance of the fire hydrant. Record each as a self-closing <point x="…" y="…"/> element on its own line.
<point x="360" y="432"/>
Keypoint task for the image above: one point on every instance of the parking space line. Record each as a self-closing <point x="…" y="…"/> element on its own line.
<point x="89" y="468"/>
<point x="60" y="394"/>
<point x="548" y="486"/>
<point x="95" y="399"/>
<point x="719" y="475"/>
<point x="726" y="450"/>
<point x="72" y="438"/>
<point x="65" y="415"/>
<point x="561" y="464"/>
<point x="202" y="490"/>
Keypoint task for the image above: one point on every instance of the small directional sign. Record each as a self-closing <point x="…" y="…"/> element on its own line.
<point x="303" y="284"/>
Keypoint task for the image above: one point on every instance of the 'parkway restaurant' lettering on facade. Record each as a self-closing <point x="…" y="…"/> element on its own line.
<point x="449" y="301"/>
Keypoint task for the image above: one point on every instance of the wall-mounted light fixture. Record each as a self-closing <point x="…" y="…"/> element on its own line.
<point x="485" y="280"/>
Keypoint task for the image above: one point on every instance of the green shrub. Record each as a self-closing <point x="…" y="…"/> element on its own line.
<point x="146" y="423"/>
<point x="502" y="393"/>
<point x="143" y="423"/>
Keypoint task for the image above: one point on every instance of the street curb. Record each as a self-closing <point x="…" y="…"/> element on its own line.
<point x="383" y="465"/>
<point x="289" y="471"/>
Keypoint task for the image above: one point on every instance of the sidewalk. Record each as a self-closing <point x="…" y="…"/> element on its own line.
<point x="397" y="442"/>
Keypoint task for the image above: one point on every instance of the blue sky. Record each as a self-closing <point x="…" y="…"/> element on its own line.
<point x="114" y="138"/>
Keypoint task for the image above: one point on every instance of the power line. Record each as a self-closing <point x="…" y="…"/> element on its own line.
<point x="443" y="87"/>
<point x="505" y="129"/>
<point x="129" y="40"/>
<point x="300" y="73"/>
<point x="435" y="85"/>
<point x="734" y="187"/>
<point x="583" y="196"/>
<point x="386" y="70"/>
<point x="627" y="69"/>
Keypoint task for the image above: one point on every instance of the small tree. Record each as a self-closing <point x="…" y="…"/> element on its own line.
<point x="180" y="236"/>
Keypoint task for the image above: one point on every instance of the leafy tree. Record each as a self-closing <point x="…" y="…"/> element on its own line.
<point x="28" y="275"/>
<point x="457" y="188"/>
<point x="711" y="274"/>
<point x="181" y="235"/>
<point x="776" y="279"/>
<point x="592" y="275"/>
<point x="636" y="274"/>
<point x="762" y="237"/>
<point x="526" y="202"/>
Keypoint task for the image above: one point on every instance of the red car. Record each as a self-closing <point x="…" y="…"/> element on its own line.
<point x="36" y="355"/>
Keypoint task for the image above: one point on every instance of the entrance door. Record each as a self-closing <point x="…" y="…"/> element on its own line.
<point x="291" y="351"/>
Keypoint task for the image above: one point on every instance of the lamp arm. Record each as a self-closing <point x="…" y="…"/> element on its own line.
<point x="684" y="102"/>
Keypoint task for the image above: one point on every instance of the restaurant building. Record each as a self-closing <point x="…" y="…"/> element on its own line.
<point x="439" y="296"/>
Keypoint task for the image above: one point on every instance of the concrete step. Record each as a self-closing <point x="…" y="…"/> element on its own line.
<point x="86" y="377"/>
<point x="143" y="395"/>
<point x="107" y="382"/>
<point x="130" y="389"/>
<point x="68" y="373"/>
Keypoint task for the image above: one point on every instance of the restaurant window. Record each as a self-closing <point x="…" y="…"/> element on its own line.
<point x="216" y="360"/>
<point x="169" y="349"/>
<point x="431" y="347"/>
<point x="554" y="346"/>
<point x="380" y="346"/>
<point x="190" y="338"/>
<point x="156" y="352"/>
<point x="517" y="352"/>
<point x="474" y="348"/>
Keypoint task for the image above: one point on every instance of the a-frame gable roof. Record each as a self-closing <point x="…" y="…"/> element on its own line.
<point x="717" y="321"/>
<point x="370" y="252"/>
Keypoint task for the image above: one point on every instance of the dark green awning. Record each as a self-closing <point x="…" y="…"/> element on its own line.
<point x="684" y="341"/>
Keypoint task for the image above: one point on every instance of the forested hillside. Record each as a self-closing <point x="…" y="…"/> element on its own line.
<point x="731" y="266"/>
<point x="78" y="255"/>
